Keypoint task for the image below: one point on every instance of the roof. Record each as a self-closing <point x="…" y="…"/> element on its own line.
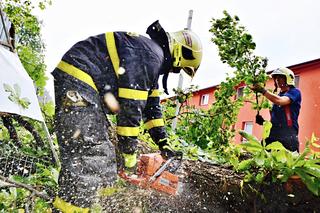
<point x="296" y="68"/>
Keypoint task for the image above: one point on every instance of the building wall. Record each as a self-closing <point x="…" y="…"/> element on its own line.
<point x="196" y="98"/>
<point x="309" y="119"/>
<point x="247" y="114"/>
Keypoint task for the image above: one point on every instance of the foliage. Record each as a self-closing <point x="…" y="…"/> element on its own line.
<point x="12" y="198"/>
<point x="279" y="164"/>
<point x="209" y="133"/>
<point x="236" y="47"/>
<point x="29" y="44"/>
<point x="213" y="129"/>
<point x="30" y="49"/>
<point x="180" y="99"/>
<point x="14" y="96"/>
<point x="48" y="112"/>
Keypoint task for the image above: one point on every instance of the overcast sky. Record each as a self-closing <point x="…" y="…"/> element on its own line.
<point x="287" y="32"/>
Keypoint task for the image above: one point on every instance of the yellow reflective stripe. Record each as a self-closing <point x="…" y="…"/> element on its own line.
<point x="68" y="207"/>
<point x="154" y="123"/>
<point x="155" y="93"/>
<point x="133" y="94"/>
<point x="77" y="73"/>
<point x="127" y="131"/>
<point x="112" y="50"/>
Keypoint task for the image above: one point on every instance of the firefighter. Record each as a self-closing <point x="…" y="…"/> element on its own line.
<point x="123" y="67"/>
<point x="285" y="109"/>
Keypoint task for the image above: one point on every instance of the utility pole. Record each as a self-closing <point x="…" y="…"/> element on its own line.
<point x="180" y="82"/>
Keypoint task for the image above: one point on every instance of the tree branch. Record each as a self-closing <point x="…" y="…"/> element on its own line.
<point x="27" y="187"/>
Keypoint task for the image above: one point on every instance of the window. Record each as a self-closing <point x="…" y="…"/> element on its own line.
<point x="296" y="81"/>
<point x="204" y="99"/>
<point x="247" y="127"/>
<point x="240" y="92"/>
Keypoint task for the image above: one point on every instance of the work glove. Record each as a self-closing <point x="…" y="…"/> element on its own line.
<point x="167" y="153"/>
<point x="175" y="164"/>
<point x="258" y="88"/>
<point x="130" y="160"/>
<point x="127" y="163"/>
<point x="259" y="119"/>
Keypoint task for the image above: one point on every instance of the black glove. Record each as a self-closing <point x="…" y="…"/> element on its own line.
<point x="258" y="88"/>
<point x="259" y="119"/>
<point x="167" y="153"/>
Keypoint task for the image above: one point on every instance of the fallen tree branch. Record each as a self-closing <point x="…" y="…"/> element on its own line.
<point x="27" y="187"/>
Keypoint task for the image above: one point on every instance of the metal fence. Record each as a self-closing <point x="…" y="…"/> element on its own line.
<point x="16" y="163"/>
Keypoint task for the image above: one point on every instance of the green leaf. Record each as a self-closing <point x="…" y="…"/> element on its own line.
<point x="291" y="156"/>
<point x="260" y="159"/>
<point x="244" y="165"/>
<point x="13" y="99"/>
<point x="260" y="177"/>
<point x="280" y="156"/>
<point x="275" y="146"/>
<point x="313" y="162"/>
<point x="266" y="129"/>
<point x="248" y="136"/>
<point x="251" y="146"/>
<point x="312" y="171"/>
<point x="311" y="183"/>
<point x="248" y="177"/>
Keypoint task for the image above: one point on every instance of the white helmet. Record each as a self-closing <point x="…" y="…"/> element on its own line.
<point x="286" y="72"/>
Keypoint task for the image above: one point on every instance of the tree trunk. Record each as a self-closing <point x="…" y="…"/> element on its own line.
<point x="213" y="188"/>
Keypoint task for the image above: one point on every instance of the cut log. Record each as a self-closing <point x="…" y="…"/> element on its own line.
<point x="213" y="188"/>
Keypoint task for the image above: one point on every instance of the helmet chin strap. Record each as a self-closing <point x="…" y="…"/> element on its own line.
<point x="281" y="87"/>
<point x="164" y="82"/>
<point x="275" y="86"/>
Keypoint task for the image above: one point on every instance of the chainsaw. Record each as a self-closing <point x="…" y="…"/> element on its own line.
<point x="156" y="173"/>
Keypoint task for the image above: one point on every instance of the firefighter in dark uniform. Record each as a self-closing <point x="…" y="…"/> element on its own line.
<point x="285" y="109"/>
<point x="125" y="66"/>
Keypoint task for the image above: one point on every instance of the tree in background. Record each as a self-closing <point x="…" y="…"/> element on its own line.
<point x="28" y="42"/>
<point x="213" y="129"/>
<point x="38" y="170"/>
<point x="30" y="46"/>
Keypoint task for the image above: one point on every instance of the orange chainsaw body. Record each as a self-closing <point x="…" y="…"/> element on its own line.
<point x="148" y="165"/>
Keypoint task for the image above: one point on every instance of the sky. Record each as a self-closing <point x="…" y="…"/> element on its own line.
<point x="287" y="32"/>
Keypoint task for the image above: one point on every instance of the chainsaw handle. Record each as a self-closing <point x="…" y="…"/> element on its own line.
<point x="178" y="155"/>
<point x="161" y="169"/>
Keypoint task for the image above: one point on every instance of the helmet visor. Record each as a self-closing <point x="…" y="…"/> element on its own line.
<point x="190" y="71"/>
